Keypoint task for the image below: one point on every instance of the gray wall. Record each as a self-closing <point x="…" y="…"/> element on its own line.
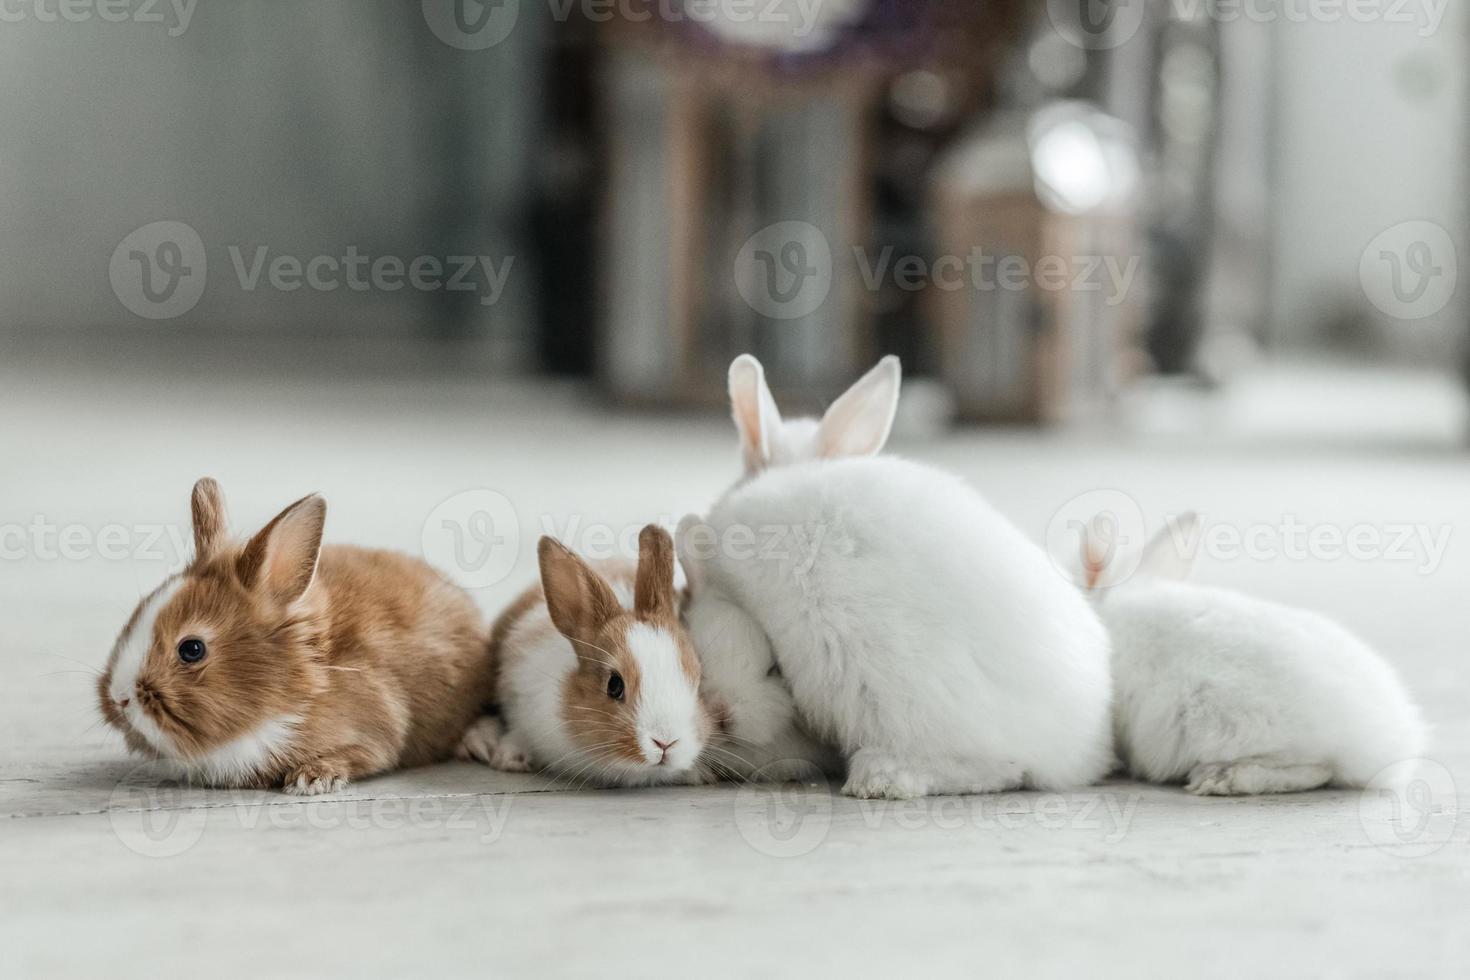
<point x="307" y="127"/>
<point x="1370" y="131"/>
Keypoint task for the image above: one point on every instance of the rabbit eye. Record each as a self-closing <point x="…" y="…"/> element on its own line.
<point x="615" y="686"/>
<point x="192" y="650"/>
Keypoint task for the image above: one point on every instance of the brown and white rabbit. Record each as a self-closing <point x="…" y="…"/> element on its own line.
<point x="597" y="679"/>
<point x="278" y="662"/>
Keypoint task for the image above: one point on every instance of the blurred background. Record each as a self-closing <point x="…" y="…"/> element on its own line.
<point x="1154" y="215"/>
<point x="475" y="271"/>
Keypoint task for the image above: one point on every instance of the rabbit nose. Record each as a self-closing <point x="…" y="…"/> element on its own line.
<point x="123" y="701"/>
<point x="666" y="745"/>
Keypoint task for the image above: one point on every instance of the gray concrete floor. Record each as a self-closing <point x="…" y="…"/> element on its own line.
<point x="456" y="870"/>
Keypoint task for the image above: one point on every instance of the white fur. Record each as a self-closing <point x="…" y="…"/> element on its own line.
<point x="667" y="702"/>
<point x="856" y="424"/>
<point x="532" y="684"/>
<point x="766" y="740"/>
<point x="1233" y="694"/>
<point x="130" y="655"/>
<point x="919" y="632"/>
<point x="241" y="759"/>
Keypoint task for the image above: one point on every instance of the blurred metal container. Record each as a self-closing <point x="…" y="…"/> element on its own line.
<point x="1038" y="210"/>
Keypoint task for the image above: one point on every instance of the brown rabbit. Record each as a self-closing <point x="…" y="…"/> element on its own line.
<point x="282" y="663"/>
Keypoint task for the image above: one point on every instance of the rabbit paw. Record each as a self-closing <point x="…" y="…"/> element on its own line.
<point x="510" y="759"/>
<point x="873" y="776"/>
<point x="314" y="779"/>
<point x="1261" y="774"/>
<point x="507" y="756"/>
<point x="1210" y="779"/>
<point x="480" y="741"/>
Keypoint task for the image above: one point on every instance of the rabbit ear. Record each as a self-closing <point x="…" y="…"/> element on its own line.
<point x="755" y="412"/>
<point x="653" y="587"/>
<point x="281" y="559"/>
<point x="691" y="555"/>
<point x="1170" y="554"/>
<point x="211" y="524"/>
<point x="858" y="423"/>
<point x="1099" y="546"/>
<point x="579" y="600"/>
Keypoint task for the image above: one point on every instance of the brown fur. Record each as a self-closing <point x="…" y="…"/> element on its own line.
<point x="583" y="608"/>
<point x="385" y="662"/>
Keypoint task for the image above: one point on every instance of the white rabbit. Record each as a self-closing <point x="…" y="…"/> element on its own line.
<point x="920" y="633"/>
<point x="856" y="424"/>
<point x="762" y="736"/>
<point x="1234" y="695"/>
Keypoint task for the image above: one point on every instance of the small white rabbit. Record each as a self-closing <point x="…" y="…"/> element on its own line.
<point x="856" y="424"/>
<point x="1234" y="695"/>
<point x="761" y="734"/>
<point x="919" y="631"/>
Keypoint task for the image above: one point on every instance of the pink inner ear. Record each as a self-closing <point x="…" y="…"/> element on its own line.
<point x="292" y="550"/>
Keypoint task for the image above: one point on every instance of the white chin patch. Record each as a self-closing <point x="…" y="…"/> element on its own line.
<point x="240" y="759"/>
<point x="132" y="651"/>
<point x="667" y="702"/>
<point x="149" y="730"/>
